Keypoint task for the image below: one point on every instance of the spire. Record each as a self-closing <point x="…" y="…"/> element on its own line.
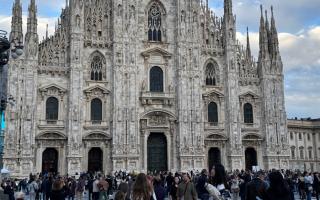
<point x="32" y="38"/>
<point x="263" y="38"/>
<point x="274" y="35"/>
<point x="16" y="34"/>
<point x="228" y="8"/>
<point x="248" y="46"/>
<point x="32" y="20"/>
<point x="47" y="31"/>
<point x="261" y="28"/>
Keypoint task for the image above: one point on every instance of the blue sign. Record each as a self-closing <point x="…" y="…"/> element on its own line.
<point x="2" y="119"/>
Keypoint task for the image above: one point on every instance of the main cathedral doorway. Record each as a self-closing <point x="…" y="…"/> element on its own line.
<point x="251" y="158"/>
<point x="214" y="157"/>
<point x="157" y="152"/>
<point x="50" y="160"/>
<point x="95" y="160"/>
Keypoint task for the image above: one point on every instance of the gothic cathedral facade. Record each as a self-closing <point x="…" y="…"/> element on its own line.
<point x="143" y="85"/>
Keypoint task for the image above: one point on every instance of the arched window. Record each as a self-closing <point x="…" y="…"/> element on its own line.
<point x="248" y="113"/>
<point x="154" y="23"/>
<point x="213" y="112"/>
<point x="96" y="110"/>
<point x="96" y="68"/>
<point x="156" y="79"/>
<point x="211" y="74"/>
<point x="52" y="109"/>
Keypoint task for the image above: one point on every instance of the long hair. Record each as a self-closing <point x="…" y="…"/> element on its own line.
<point x="278" y="186"/>
<point x="141" y="189"/>
<point x="220" y="175"/>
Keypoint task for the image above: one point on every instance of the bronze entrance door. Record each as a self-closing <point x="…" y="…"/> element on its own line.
<point x="50" y="160"/>
<point x="95" y="160"/>
<point x="214" y="157"/>
<point x="251" y="158"/>
<point x="157" y="152"/>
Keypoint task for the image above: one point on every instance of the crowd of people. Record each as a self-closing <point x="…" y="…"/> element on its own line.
<point x="215" y="184"/>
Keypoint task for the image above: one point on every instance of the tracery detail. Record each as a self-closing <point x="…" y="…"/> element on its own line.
<point x="154" y="23"/>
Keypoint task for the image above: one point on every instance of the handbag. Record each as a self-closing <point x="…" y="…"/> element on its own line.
<point x="213" y="191"/>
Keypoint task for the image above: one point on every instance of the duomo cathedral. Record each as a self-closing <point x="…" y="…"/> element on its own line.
<point x="144" y="85"/>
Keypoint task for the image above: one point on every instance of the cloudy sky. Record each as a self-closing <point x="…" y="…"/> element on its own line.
<point x="298" y="24"/>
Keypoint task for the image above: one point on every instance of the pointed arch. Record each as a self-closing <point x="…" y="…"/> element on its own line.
<point x="155" y="15"/>
<point x="211" y="73"/>
<point x="97" y="66"/>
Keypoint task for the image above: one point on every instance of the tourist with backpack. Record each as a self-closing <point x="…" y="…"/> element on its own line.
<point x="32" y="188"/>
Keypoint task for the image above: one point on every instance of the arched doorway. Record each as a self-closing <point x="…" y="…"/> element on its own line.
<point x="214" y="157"/>
<point x="95" y="160"/>
<point x="157" y="152"/>
<point x="50" y="160"/>
<point x="251" y="158"/>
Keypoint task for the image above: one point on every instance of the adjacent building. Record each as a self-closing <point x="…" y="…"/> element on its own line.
<point x="304" y="144"/>
<point x="144" y="85"/>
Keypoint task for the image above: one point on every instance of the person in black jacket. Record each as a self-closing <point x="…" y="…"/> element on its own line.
<point x="257" y="187"/>
<point x="203" y="194"/>
<point x="8" y="189"/>
<point x="316" y="184"/>
<point x="279" y="189"/>
<point x="57" y="192"/>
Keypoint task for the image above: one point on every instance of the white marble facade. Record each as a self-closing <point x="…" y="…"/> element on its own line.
<point x="202" y="65"/>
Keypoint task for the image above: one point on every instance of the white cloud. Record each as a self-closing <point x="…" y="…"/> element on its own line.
<point x="5" y="24"/>
<point x="297" y="50"/>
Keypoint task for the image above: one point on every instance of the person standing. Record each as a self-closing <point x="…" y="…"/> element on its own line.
<point x="32" y="188"/>
<point x="257" y="187"/>
<point x="203" y="194"/>
<point x="174" y="188"/>
<point x="8" y="189"/>
<point x="103" y="187"/>
<point x="279" y="189"/>
<point x="308" y="185"/>
<point x="316" y="184"/>
<point x="235" y="189"/>
<point x="158" y="188"/>
<point x="95" y="189"/>
<point x="57" y="192"/>
<point x="141" y="189"/>
<point x="80" y="188"/>
<point x="186" y="189"/>
<point x="72" y="185"/>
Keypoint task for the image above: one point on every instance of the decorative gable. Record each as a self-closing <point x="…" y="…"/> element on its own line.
<point x="217" y="137"/>
<point x="51" y="136"/>
<point x="249" y="97"/>
<point x="96" y="92"/>
<point x="52" y="90"/>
